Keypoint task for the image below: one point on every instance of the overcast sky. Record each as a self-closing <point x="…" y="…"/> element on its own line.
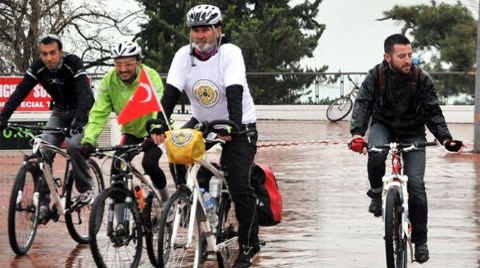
<point x="353" y="39"/>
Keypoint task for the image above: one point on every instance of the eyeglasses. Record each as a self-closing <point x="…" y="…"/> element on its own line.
<point x="127" y="65"/>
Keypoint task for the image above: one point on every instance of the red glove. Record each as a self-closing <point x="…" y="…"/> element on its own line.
<point x="357" y="145"/>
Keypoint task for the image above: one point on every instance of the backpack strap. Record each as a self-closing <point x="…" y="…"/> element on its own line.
<point x="414" y="81"/>
<point x="382" y="83"/>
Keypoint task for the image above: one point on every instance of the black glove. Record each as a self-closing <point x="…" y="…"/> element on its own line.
<point x="75" y="128"/>
<point x="453" y="145"/>
<point x="3" y="124"/>
<point x="86" y="150"/>
<point x="226" y="131"/>
<point x="156" y="126"/>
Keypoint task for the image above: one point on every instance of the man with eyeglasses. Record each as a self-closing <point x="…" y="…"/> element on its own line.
<point x="116" y="88"/>
<point x="64" y="77"/>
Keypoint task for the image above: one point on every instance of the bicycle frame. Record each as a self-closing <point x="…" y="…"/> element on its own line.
<point x="39" y="147"/>
<point x="128" y="168"/>
<point x="197" y="199"/>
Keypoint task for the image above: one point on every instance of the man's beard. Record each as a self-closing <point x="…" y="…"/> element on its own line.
<point x="204" y="47"/>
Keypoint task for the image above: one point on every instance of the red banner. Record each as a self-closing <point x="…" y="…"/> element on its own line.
<point x="37" y="101"/>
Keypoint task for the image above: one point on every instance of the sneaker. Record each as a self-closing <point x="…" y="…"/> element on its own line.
<point x="375" y="206"/>
<point x="245" y="256"/>
<point x="421" y="253"/>
<point x="86" y="197"/>
<point x="43" y="214"/>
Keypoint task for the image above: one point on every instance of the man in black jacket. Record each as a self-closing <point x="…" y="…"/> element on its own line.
<point x="399" y="108"/>
<point x="64" y="77"/>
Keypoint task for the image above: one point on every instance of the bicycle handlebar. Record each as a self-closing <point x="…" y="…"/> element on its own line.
<point x="208" y="127"/>
<point x="405" y="147"/>
<point x="35" y="129"/>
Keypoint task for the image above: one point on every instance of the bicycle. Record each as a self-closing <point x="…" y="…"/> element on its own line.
<point x="186" y="236"/>
<point x="23" y="212"/>
<point x="342" y="106"/>
<point x="395" y="204"/>
<point x="121" y="217"/>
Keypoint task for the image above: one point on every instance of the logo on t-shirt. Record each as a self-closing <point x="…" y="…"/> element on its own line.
<point x="206" y="93"/>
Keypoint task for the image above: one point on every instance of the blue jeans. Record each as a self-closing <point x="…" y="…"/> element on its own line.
<point x="80" y="171"/>
<point x="413" y="167"/>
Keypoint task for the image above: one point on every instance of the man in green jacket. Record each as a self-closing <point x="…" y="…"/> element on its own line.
<point x="116" y="88"/>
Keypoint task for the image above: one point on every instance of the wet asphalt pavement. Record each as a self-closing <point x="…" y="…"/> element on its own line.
<point x="325" y="219"/>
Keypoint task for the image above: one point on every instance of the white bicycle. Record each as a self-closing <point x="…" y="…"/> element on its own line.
<point x="395" y="204"/>
<point x="186" y="236"/>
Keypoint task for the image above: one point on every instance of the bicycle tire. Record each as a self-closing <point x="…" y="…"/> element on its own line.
<point x="152" y="215"/>
<point x="23" y="215"/>
<point x="108" y="242"/>
<point x="77" y="220"/>
<point x="339" y="109"/>
<point x="227" y="229"/>
<point x="175" y="217"/>
<point x="395" y="244"/>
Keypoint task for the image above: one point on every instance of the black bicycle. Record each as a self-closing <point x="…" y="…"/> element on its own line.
<point x="125" y="213"/>
<point x="342" y="106"/>
<point x="25" y="200"/>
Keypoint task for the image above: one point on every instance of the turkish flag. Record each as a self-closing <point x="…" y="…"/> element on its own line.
<point x="143" y="101"/>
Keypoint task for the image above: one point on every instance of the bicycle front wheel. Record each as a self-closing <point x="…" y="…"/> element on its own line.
<point x="22" y="211"/>
<point x="152" y="215"/>
<point x="227" y="232"/>
<point x="339" y="109"/>
<point x="395" y="243"/>
<point x="175" y="247"/>
<point x="77" y="218"/>
<point x="115" y="230"/>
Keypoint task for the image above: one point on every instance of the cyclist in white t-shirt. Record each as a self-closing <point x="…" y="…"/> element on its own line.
<point x="211" y="72"/>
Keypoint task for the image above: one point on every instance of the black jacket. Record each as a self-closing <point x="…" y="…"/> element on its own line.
<point x="403" y="110"/>
<point x="67" y="85"/>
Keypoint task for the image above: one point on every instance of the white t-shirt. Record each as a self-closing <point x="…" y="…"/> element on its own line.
<point x="205" y="83"/>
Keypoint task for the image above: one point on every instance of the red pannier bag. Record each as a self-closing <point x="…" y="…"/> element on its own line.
<point x="269" y="199"/>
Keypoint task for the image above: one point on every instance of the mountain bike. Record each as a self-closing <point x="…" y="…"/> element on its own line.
<point x="395" y="204"/>
<point x="342" y="106"/>
<point x="186" y="236"/>
<point x="23" y="212"/>
<point x="121" y="217"/>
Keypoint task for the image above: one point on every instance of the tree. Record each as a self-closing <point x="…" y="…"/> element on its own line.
<point x="274" y="37"/>
<point x="87" y="27"/>
<point x="448" y="33"/>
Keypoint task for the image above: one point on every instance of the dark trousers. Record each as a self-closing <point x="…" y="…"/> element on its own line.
<point x="414" y="168"/>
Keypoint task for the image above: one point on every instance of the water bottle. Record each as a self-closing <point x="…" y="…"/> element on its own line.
<point x="210" y="208"/>
<point x="215" y="187"/>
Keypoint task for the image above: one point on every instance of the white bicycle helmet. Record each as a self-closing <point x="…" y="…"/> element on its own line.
<point x="126" y="49"/>
<point x="204" y="15"/>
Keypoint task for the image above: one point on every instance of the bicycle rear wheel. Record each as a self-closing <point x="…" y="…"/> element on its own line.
<point x="227" y="231"/>
<point x="152" y="215"/>
<point x="77" y="219"/>
<point x="395" y="243"/>
<point x="22" y="211"/>
<point x="112" y="242"/>
<point x="339" y="109"/>
<point x="173" y="247"/>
